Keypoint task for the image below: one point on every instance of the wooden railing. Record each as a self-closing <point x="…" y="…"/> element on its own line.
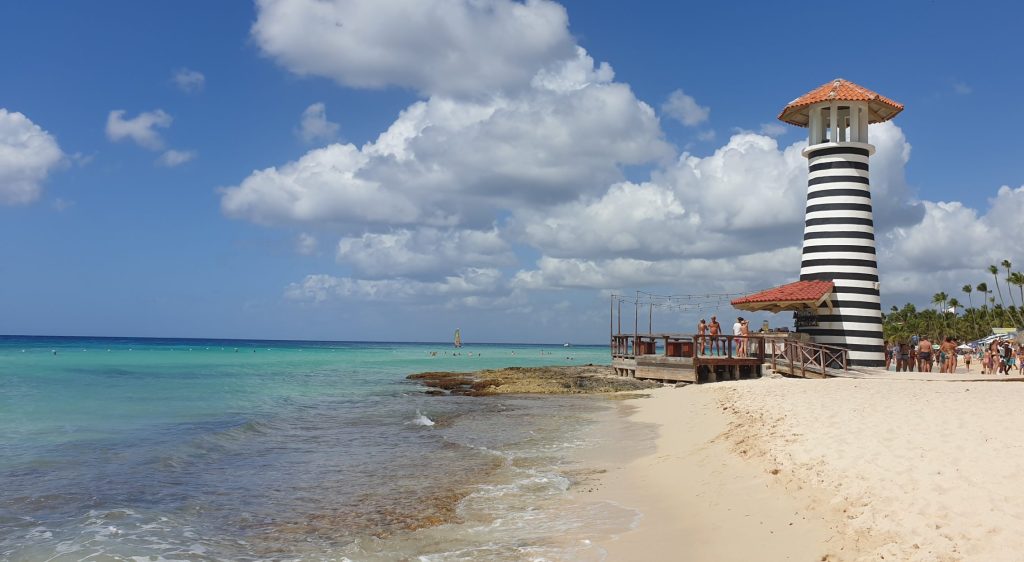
<point x="799" y="356"/>
<point x="753" y="346"/>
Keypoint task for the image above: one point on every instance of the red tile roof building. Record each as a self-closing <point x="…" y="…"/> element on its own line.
<point x="793" y="296"/>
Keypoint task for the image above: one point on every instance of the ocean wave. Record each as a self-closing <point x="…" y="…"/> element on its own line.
<point x="422" y="420"/>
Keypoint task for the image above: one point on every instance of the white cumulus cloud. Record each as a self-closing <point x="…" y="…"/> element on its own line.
<point x="142" y="128"/>
<point x="322" y="186"/>
<point x="685" y="109"/>
<point x="520" y="146"/>
<point x="314" y="125"/>
<point x="734" y="272"/>
<point x="189" y="81"/>
<point x="745" y="199"/>
<point x="306" y="244"/>
<point x="452" y="162"/>
<point x="27" y="155"/>
<point x="424" y="251"/>
<point x="953" y="245"/>
<point x="773" y="129"/>
<point x="433" y="46"/>
<point x="172" y="158"/>
<point x="322" y="287"/>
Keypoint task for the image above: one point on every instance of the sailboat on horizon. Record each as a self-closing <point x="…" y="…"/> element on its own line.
<point x="458" y="338"/>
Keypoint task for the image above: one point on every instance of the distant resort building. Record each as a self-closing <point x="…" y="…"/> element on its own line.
<point x="836" y="302"/>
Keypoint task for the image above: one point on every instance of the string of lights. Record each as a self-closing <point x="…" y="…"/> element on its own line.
<point x="648" y="303"/>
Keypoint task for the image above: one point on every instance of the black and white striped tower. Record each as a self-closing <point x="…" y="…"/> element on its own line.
<point x="839" y="231"/>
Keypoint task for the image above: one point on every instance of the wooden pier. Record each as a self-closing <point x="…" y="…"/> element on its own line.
<point x="687" y="357"/>
<point x="698" y="359"/>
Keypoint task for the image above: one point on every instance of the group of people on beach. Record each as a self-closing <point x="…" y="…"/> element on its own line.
<point x="1001" y="358"/>
<point x="710" y="340"/>
<point x="921" y="355"/>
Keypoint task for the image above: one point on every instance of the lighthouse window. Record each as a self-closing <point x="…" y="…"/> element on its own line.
<point x="822" y="128"/>
<point x="843" y="119"/>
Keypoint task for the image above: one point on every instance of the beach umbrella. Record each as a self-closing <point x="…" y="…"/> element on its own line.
<point x="964" y="346"/>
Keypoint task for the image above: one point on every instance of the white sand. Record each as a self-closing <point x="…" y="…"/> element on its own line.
<point x="893" y="470"/>
<point x="700" y="501"/>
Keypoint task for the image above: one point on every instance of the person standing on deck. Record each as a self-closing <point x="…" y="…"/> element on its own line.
<point x="736" y="328"/>
<point x="715" y="330"/>
<point x="702" y="330"/>
<point x="744" y="345"/>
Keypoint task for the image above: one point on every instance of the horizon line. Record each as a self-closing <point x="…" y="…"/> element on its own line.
<point x="559" y="344"/>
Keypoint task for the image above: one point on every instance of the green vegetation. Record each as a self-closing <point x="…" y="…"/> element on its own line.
<point x="949" y="318"/>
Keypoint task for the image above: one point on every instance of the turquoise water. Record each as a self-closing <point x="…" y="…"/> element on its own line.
<point x="146" y="449"/>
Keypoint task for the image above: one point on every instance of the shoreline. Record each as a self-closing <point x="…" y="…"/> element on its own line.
<point x="698" y="500"/>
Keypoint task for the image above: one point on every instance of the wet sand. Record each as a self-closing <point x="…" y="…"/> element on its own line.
<point x="699" y="500"/>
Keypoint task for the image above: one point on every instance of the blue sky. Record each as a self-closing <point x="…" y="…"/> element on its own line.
<point x="501" y="212"/>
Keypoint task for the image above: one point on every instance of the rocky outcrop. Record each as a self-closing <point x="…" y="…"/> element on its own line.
<point x="581" y="379"/>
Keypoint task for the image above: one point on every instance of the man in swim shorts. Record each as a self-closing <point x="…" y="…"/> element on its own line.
<point x="924" y="355"/>
<point x="716" y="330"/>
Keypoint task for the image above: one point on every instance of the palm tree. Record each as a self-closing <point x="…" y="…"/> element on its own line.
<point x="967" y="289"/>
<point x="1013" y="301"/>
<point x="1017" y="278"/>
<point x="939" y="299"/>
<point x="995" y="275"/>
<point x="983" y="289"/>
<point x="954" y="304"/>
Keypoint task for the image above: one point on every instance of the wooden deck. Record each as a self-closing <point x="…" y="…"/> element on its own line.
<point x="687" y="358"/>
<point x="679" y="357"/>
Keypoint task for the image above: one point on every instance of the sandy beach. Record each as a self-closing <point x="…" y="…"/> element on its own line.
<point x="837" y="469"/>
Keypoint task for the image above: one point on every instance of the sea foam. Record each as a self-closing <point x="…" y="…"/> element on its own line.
<point x="420" y="419"/>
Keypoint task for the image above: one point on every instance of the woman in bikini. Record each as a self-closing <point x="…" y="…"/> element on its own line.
<point x="744" y="338"/>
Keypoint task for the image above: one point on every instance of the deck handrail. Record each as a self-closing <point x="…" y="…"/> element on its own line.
<point x="797" y="354"/>
<point x="803" y="354"/>
<point x="723" y="346"/>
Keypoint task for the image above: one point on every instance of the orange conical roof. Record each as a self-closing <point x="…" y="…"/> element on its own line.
<point x="880" y="108"/>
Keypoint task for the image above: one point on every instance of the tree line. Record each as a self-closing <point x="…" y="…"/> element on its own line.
<point x="951" y="318"/>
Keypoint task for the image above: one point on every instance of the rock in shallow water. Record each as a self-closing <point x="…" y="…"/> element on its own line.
<point x="582" y="379"/>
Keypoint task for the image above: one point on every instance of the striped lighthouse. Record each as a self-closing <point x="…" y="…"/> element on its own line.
<point x="839" y="231"/>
